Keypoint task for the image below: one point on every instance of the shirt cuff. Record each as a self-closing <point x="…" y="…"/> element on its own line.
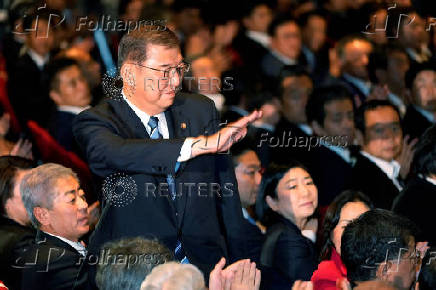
<point x="185" y="151"/>
<point x="309" y="234"/>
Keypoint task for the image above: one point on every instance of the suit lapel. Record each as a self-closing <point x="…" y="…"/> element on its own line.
<point x="131" y="122"/>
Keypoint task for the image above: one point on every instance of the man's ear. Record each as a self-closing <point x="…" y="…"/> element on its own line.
<point x="383" y="270"/>
<point x="317" y="128"/>
<point x="42" y="215"/>
<point x="272" y="203"/>
<point x="54" y="95"/>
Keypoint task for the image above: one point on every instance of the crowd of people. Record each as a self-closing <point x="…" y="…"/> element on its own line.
<point x="205" y="144"/>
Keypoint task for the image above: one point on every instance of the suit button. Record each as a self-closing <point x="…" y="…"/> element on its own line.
<point x="177" y="214"/>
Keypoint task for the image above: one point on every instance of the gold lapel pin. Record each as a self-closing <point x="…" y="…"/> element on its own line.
<point x="183" y="125"/>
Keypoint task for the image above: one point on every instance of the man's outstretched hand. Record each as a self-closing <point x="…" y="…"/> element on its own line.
<point x="222" y="140"/>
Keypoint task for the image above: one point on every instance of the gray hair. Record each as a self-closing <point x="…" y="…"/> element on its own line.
<point x="174" y="276"/>
<point x="38" y="187"/>
<point x="133" y="45"/>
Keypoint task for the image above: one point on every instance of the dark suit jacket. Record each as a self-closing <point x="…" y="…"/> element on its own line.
<point x="358" y="96"/>
<point x="253" y="240"/>
<point x="330" y="172"/>
<point x="207" y="210"/>
<point x="371" y="180"/>
<point x="295" y="258"/>
<point x="414" y="123"/>
<point x="13" y="238"/>
<point x="50" y="263"/>
<point x="289" y="143"/>
<point x="417" y="202"/>
<point x="250" y="51"/>
<point x="28" y="92"/>
<point x="61" y="128"/>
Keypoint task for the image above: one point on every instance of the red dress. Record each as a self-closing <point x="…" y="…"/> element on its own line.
<point x="328" y="272"/>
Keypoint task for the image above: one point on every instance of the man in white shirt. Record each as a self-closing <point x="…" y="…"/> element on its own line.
<point x="376" y="171"/>
<point x="57" y="208"/>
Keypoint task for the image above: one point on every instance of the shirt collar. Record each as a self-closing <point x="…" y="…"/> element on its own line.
<point x="40" y="61"/>
<point x="344" y="153"/>
<point x="362" y="85"/>
<point x="259" y="37"/>
<point x="397" y="101"/>
<point x="305" y="128"/>
<point x="429" y="116"/>
<point x="431" y="180"/>
<point x="76" y="245"/>
<point x="72" y="109"/>
<point x="286" y="60"/>
<point x="391" y="169"/>
<point x="420" y="57"/>
<point x="144" y="117"/>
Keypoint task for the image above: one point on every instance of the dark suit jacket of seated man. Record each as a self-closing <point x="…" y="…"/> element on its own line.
<point x="206" y="214"/>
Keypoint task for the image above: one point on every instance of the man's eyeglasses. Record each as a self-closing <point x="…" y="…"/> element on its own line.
<point x="180" y="69"/>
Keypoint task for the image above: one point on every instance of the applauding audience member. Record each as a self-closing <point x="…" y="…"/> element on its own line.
<point x="287" y="201"/>
<point x="346" y="207"/>
<point x="417" y="200"/>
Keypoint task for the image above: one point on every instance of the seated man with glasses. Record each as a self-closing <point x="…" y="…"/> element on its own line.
<point x="376" y="172"/>
<point x="157" y="147"/>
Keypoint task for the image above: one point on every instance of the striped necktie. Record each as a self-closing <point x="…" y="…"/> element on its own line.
<point x="179" y="253"/>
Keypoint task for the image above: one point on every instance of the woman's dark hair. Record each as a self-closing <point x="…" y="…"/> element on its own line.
<point x="9" y="165"/>
<point x="333" y="215"/>
<point x="268" y="187"/>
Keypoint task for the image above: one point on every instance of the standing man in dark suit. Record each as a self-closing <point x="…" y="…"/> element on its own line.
<point x="159" y="146"/>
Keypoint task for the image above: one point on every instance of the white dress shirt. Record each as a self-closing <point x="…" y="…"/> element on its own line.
<point x="391" y="169"/>
<point x="259" y="37"/>
<point x="40" y="61"/>
<point x="428" y="115"/>
<point x="72" y="109"/>
<point x="76" y="245"/>
<point x="185" y="151"/>
<point x="364" y="87"/>
<point x="343" y="152"/>
<point x="305" y="128"/>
